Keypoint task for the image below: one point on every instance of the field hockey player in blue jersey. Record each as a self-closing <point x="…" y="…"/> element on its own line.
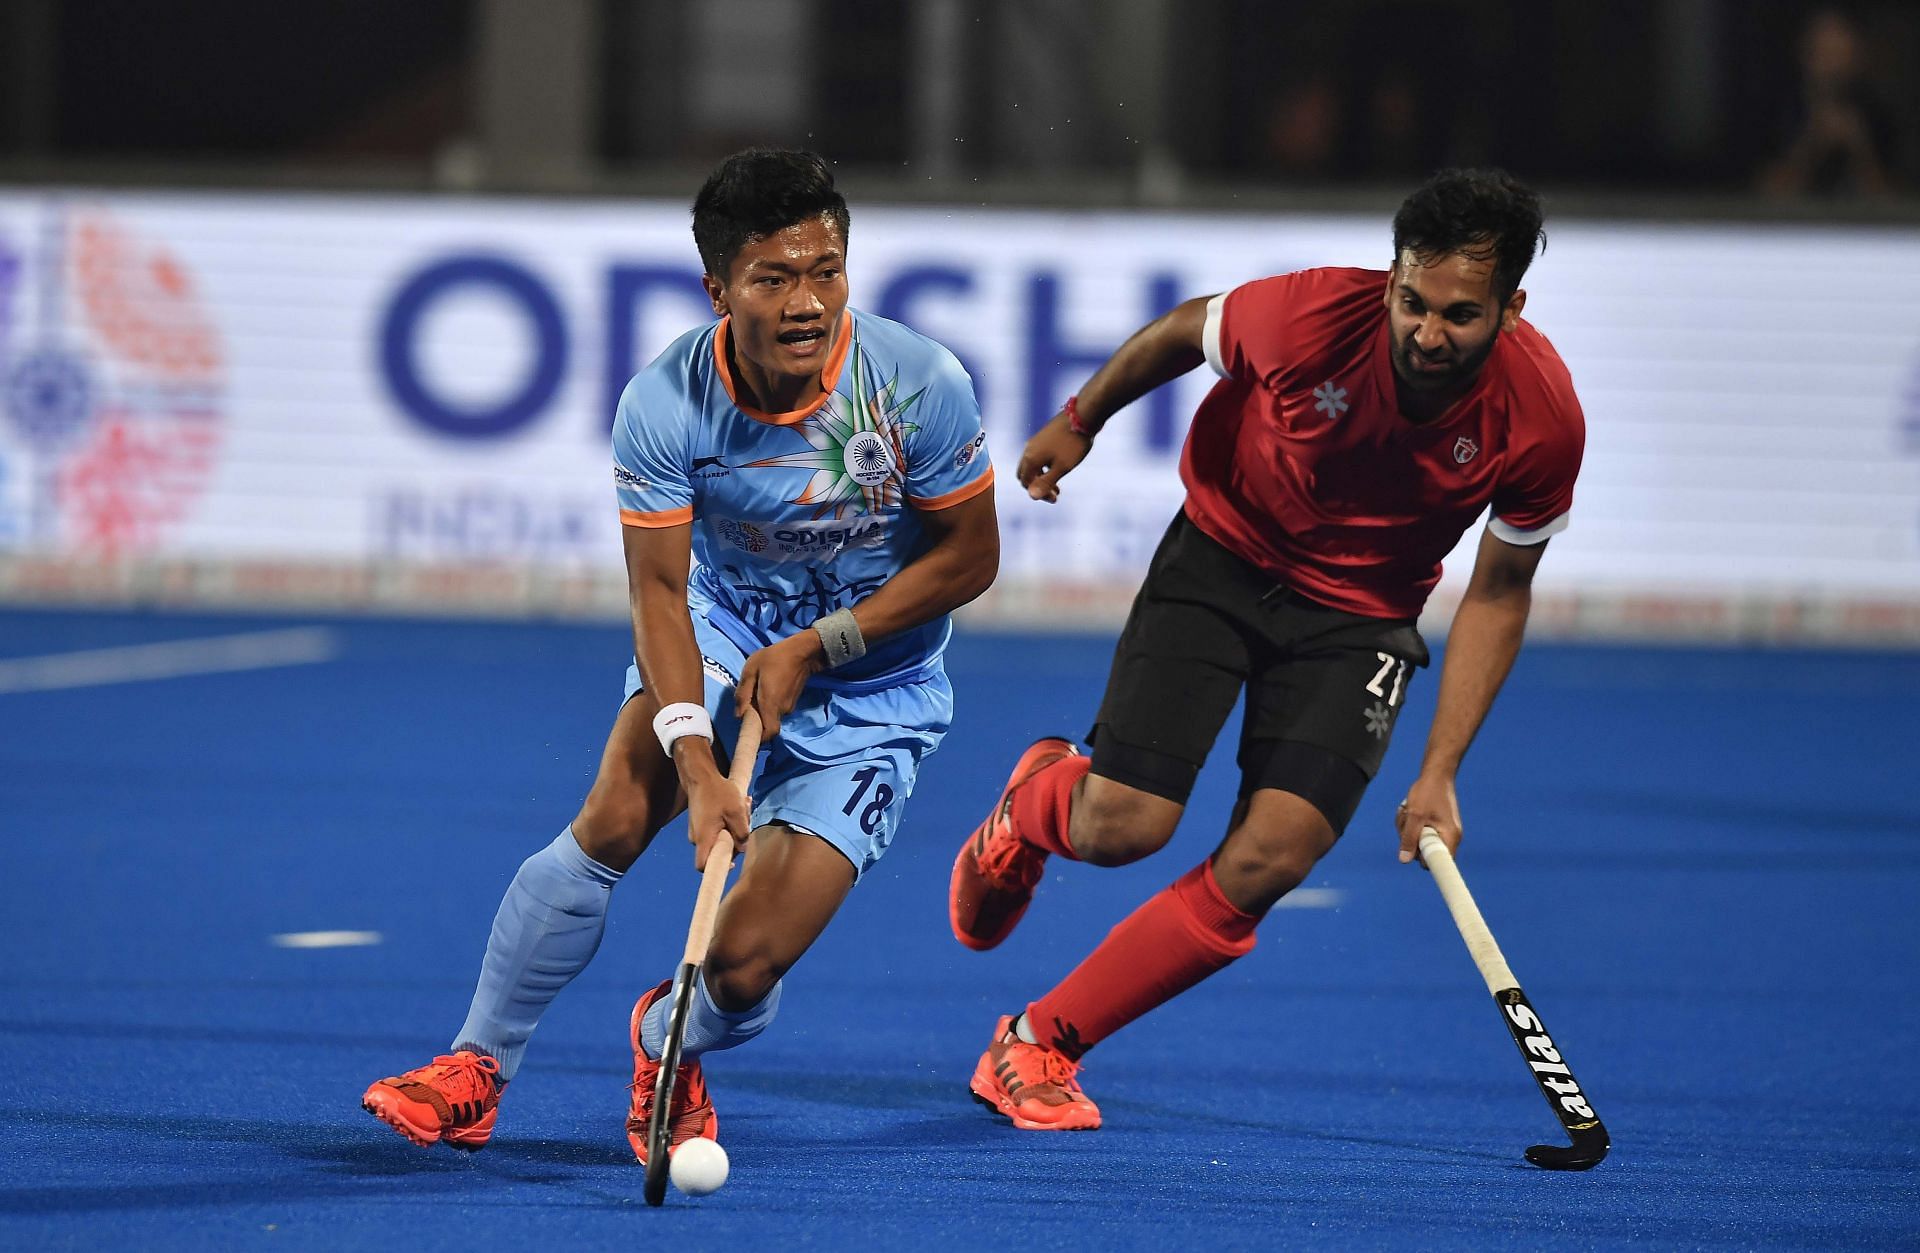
<point x="806" y="496"/>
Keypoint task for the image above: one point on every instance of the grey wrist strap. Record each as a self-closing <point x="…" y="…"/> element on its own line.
<point x="840" y="634"/>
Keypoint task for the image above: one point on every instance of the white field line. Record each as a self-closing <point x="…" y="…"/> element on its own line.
<point x="324" y="939"/>
<point x="1312" y="898"/>
<point x="219" y="654"/>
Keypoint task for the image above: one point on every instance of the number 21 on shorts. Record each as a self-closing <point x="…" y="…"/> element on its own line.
<point x="877" y="807"/>
<point x="1389" y="664"/>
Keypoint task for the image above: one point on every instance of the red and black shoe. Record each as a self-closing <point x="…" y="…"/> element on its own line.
<point x="996" y="871"/>
<point x="453" y="1099"/>
<point x="1035" y="1087"/>
<point x="693" y="1113"/>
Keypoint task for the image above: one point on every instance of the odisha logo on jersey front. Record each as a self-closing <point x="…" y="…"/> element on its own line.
<point x="111" y="383"/>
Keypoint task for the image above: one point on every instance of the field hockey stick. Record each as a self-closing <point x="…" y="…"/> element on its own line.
<point x="1550" y="1069"/>
<point x="706" y="909"/>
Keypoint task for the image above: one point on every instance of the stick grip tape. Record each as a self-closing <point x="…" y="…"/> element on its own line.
<point x="1466" y="915"/>
<point x="713" y="876"/>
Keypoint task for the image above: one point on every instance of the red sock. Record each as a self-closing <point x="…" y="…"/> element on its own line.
<point x="1041" y="805"/>
<point x="1182" y="935"/>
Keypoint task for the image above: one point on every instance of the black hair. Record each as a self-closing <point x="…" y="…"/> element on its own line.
<point x="1482" y="214"/>
<point x="757" y="192"/>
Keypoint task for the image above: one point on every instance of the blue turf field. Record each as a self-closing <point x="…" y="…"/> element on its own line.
<point x="1703" y="865"/>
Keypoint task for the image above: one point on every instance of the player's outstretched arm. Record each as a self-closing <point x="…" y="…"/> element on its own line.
<point x="1157" y="353"/>
<point x="669" y="659"/>
<point x="1481" y="645"/>
<point x="959" y="563"/>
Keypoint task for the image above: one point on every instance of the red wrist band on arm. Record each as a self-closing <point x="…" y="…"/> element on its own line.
<point x="1074" y="421"/>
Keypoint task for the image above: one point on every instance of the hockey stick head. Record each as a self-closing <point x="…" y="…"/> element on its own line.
<point x="1550" y="1070"/>
<point x="1589" y="1148"/>
<point x="659" y="1119"/>
<point x="1557" y="1084"/>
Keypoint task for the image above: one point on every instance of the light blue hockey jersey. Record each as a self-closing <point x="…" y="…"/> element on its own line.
<point x="798" y="514"/>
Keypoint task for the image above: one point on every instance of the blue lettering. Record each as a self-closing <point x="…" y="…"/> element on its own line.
<point x="483" y="523"/>
<point x="401" y="325"/>
<point x="900" y="296"/>
<point x="1049" y="356"/>
<point x="1163" y="293"/>
<point x="628" y="287"/>
<point x="400" y="520"/>
<point x="9" y="278"/>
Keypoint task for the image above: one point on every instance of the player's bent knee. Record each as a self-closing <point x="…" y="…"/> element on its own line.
<point x="1272" y="870"/>
<point x="739" y="979"/>
<point x="614" y="827"/>
<point x="1272" y="850"/>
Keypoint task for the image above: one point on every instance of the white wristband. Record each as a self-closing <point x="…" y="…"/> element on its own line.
<point x="676" y="720"/>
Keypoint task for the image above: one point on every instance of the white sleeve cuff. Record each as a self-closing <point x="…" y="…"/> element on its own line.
<point x="1210" y="335"/>
<point x="1538" y="535"/>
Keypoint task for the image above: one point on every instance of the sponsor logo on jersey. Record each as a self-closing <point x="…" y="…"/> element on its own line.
<point x="627" y="478"/>
<point x="1465" y="450"/>
<point x="742" y="535"/>
<point x="968" y="451"/>
<point x="721" y="675"/>
<point x="710" y="468"/>
<point x="865" y="531"/>
<point x="1331" y="400"/>
<point x="780" y="541"/>
<point x="869" y="459"/>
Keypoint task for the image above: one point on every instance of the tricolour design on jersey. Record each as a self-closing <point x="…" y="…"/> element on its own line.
<point x="856" y="446"/>
<point x="796" y="515"/>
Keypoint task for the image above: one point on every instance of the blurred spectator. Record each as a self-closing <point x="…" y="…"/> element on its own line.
<point x="1372" y="127"/>
<point x="1303" y="128"/>
<point x="1841" y="140"/>
<point x="1395" y="142"/>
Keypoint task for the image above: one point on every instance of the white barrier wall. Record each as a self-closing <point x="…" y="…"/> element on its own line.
<point x="405" y="401"/>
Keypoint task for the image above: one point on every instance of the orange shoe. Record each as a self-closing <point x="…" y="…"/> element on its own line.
<point x="454" y="1099"/>
<point x="1032" y="1085"/>
<point x="692" y="1114"/>
<point x="996" y="871"/>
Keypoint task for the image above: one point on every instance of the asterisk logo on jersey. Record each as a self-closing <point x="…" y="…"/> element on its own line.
<point x="1332" y="400"/>
<point x="1379" y="720"/>
<point x="857" y="445"/>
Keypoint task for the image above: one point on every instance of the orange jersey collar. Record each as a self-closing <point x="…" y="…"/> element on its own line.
<point x="829" y="374"/>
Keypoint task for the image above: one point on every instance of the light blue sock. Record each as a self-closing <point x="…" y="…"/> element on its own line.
<point x="547" y="930"/>
<point x="709" y="1028"/>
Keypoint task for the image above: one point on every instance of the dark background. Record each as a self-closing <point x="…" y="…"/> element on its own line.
<point x="1099" y="101"/>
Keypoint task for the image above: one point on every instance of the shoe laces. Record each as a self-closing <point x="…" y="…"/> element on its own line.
<point x="1056" y="1069"/>
<point x="1007" y="860"/>
<point x="481" y="1073"/>
<point x="688" y="1084"/>
<point x="1054" y="1066"/>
